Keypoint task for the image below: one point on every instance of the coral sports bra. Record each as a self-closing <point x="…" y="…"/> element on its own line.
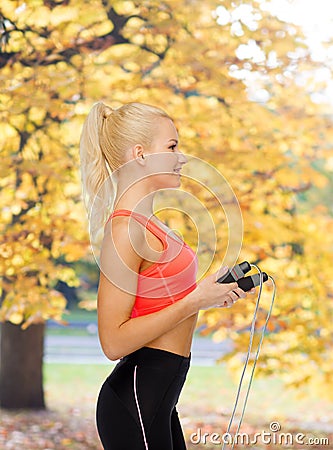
<point x="170" y="278"/>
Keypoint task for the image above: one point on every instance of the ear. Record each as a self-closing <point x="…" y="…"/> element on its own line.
<point x="137" y="153"/>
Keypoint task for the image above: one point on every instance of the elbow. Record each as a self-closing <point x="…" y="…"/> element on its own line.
<point x="114" y="345"/>
<point x="112" y="356"/>
<point x="111" y="352"/>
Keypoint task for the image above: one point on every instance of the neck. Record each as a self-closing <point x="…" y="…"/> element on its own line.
<point x="135" y="198"/>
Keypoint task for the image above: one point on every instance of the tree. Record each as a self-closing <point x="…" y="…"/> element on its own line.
<point x="58" y="57"/>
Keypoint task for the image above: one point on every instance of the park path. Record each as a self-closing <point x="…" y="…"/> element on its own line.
<point x="87" y="350"/>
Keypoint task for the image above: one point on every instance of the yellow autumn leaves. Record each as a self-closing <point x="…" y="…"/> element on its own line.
<point x="59" y="60"/>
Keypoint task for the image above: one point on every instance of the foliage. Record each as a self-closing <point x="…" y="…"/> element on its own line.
<point x="211" y="72"/>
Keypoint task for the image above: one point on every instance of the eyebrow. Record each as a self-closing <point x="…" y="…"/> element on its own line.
<point x="173" y="140"/>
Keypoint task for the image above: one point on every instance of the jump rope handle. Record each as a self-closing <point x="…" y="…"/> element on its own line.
<point x="236" y="274"/>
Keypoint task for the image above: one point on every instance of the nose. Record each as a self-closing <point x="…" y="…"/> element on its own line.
<point x="182" y="158"/>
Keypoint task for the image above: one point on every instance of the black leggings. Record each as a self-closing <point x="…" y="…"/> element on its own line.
<point x="136" y="407"/>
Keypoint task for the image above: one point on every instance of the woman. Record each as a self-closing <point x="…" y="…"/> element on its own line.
<point x="148" y="298"/>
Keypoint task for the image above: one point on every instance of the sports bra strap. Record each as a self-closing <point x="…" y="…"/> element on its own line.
<point x="151" y="226"/>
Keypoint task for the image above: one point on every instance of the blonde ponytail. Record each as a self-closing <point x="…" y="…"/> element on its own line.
<point x="97" y="186"/>
<point x="107" y="134"/>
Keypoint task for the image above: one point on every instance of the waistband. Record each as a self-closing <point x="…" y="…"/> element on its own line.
<point x="158" y="356"/>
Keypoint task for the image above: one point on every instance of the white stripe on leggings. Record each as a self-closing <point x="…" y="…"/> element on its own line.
<point x="138" y="408"/>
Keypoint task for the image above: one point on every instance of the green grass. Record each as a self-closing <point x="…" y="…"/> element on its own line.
<point x="78" y="315"/>
<point x="67" y="385"/>
<point x="213" y="389"/>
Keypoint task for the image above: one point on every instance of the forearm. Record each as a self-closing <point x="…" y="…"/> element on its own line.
<point x="137" y="332"/>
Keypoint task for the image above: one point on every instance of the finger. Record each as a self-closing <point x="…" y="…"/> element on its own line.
<point x="239" y="292"/>
<point x="219" y="273"/>
<point x="229" y="287"/>
<point x="235" y="295"/>
<point x="231" y="298"/>
<point x="227" y="304"/>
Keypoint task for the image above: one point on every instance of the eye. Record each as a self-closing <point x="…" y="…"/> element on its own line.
<point x="172" y="147"/>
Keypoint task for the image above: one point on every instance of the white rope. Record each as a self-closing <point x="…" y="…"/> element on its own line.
<point x="248" y="355"/>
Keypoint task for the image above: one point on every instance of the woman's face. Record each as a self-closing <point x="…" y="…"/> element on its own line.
<point x="164" y="159"/>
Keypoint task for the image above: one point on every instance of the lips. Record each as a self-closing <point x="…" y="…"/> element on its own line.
<point x="177" y="170"/>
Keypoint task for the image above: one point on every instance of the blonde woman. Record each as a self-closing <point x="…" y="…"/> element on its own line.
<point x="148" y="297"/>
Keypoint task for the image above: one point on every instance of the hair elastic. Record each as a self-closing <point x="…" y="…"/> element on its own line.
<point x="107" y="111"/>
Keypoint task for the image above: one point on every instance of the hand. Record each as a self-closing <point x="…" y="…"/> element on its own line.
<point x="210" y="294"/>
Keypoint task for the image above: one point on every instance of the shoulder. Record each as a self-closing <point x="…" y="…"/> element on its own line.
<point x="124" y="237"/>
<point x="123" y="225"/>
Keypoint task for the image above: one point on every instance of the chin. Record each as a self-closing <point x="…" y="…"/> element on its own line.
<point x="167" y="181"/>
<point x="175" y="180"/>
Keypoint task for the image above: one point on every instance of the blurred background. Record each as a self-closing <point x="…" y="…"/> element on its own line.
<point x="249" y="85"/>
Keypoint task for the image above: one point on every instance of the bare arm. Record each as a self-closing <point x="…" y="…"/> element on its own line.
<point x="121" y="257"/>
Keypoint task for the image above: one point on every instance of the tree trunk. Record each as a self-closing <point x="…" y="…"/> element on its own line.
<point x="21" y="369"/>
